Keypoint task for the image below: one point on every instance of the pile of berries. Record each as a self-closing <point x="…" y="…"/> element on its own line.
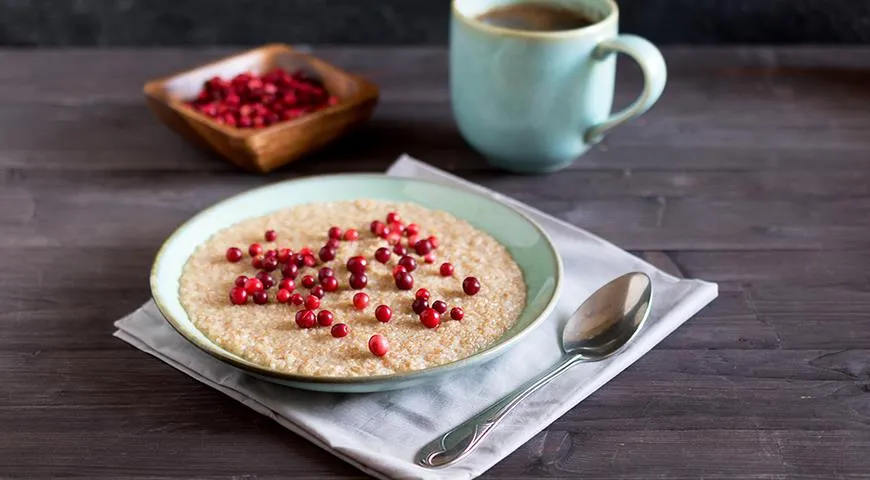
<point x="249" y="100"/>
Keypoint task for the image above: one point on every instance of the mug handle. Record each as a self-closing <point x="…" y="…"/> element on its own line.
<point x="655" y="75"/>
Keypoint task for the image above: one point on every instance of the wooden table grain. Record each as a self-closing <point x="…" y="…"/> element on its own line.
<point x="752" y="171"/>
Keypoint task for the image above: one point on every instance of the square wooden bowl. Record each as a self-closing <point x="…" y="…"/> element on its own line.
<point x="264" y="149"/>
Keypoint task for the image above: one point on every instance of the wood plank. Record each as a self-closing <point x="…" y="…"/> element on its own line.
<point x="681" y="389"/>
<point x="684" y="393"/>
<point x="36" y="304"/>
<point x="737" y="454"/>
<point x="726" y="184"/>
<point x="66" y="315"/>
<point x="745" y="130"/>
<point x="645" y="210"/>
<point x="823" y="268"/>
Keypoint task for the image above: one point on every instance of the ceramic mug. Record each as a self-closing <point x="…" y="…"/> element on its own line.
<point x="534" y="101"/>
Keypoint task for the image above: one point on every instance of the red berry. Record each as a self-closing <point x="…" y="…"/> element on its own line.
<point x="400" y="250"/>
<point x="268" y="281"/>
<point x="305" y="251"/>
<point x="408" y="262"/>
<point x="446" y="269"/>
<point x="234" y="254"/>
<point x="457" y="313"/>
<point x="358" y="281"/>
<point x="422" y="247"/>
<point x="325" y="318"/>
<point x="418" y="305"/>
<point x="398" y="269"/>
<point x="283" y="295"/>
<point x="378" y="345"/>
<point x="339" y="330"/>
<point x="312" y="302"/>
<point x="290" y="270"/>
<point x="423" y="293"/>
<point x="238" y="296"/>
<point x="318" y="291"/>
<point x="271" y="253"/>
<point x="287" y="284"/>
<point x="325" y="272"/>
<point x="308" y="281"/>
<point x="412" y="229"/>
<point x="329" y="284"/>
<point x="429" y="258"/>
<point x="397" y="228"/>
<point x="261" y="298"/>
<point x="360" y="301"/>
<point x="383" y="313"/>
<point x="351" y="235"/>
<point x="440" y="307"/>
<point x="430" y="318"/>
<point x="433" y="240"/>
<point x="404" y="281"/>
<point x="333" y="243"/>
<point x="270" y="264"/>
<point x="412" y="240"/>
<point x="299" y="260"/>
<point x="253" y="285"/>
<point x="309" y="260"/>
<point x="335" y="233"/>
<point x="270" y="235"/>
<point x="470" y="285"/>
<point x="377" y="227"/>
<point x="306" y="319"/>
<point x="382" y="254"/>
<point x="297" y="299"/>
<point x="357" y="264"/>
<point x="284" y="255"/>
<point x="257" y="262"/>
<point x="393" y="217"/>
<point x="240" y="281"/>
<point x="326" y="254"/>
<point x="393" y="238"/>
<point x="255" y="249"/>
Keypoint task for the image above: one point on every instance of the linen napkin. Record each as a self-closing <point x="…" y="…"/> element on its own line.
<point x="379" y="433"/>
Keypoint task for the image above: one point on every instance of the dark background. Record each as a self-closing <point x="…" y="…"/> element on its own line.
<point x="36" y="23"/>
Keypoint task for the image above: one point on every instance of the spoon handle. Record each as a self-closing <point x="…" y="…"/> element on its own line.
<point x="463" y="439"/>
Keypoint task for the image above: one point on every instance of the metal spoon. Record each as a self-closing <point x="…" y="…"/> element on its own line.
<point x="602" y="325"/>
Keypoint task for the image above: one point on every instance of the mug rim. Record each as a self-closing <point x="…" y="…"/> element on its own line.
<point x="528" y="34"/>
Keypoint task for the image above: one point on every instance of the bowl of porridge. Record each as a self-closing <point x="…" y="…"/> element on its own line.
<point x="356" y="283"/>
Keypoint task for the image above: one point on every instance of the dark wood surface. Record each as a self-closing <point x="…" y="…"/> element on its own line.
<point x="753" y="171"/>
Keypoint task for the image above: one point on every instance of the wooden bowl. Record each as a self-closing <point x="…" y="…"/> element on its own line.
<point x="263" y="149"/>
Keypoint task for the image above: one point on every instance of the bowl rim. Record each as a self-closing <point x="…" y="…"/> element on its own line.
<point x="253" y="368"/>
<point x="154" y="89"/>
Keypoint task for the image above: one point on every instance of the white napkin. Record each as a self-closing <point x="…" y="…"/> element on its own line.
<point x="380" y="432"/>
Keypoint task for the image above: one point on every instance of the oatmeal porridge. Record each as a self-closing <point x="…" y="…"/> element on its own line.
<point x="348" y="289"/>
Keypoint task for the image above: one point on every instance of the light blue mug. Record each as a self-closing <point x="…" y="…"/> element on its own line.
<point x="534" y="101"/>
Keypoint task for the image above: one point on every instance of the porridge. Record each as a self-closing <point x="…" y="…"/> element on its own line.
<point x="340" y="290"/>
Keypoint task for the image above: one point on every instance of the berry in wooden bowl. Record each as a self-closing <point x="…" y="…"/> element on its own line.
<point x="263" y="108"/>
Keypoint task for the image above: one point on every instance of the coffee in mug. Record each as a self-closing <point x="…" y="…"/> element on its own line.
<point x="535" y="16"/>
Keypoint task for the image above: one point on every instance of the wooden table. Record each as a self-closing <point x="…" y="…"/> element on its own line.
<point x="753" y="171"/>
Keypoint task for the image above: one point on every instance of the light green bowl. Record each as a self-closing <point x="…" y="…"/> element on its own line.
<point x="523" y="238"/>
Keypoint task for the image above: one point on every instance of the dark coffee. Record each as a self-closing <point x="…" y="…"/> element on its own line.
<point x="535" y="16"/>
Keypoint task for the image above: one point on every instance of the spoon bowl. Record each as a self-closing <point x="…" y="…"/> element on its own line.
<point x="599" y="328"/>
<point x="608" y="319"/>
